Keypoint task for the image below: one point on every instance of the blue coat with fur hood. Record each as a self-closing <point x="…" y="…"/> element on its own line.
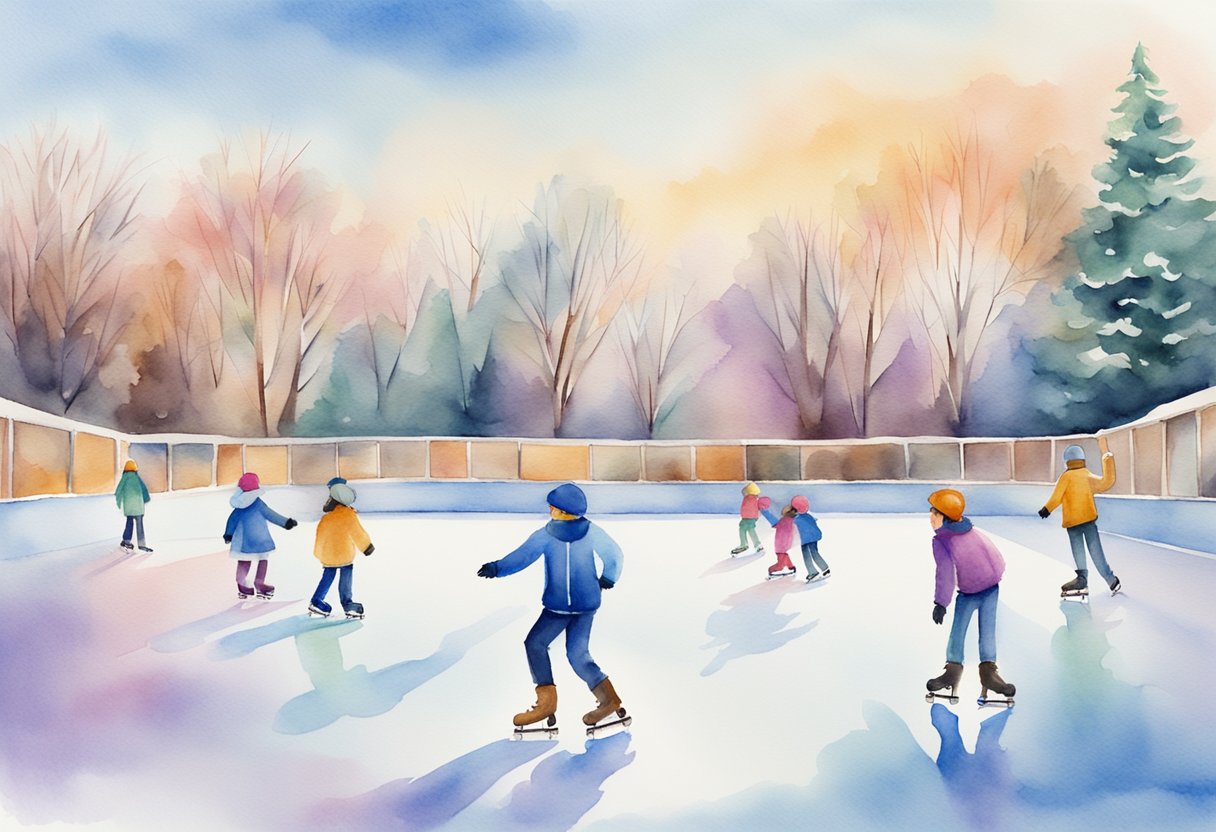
<point x="247" y="523"/>
<point x="569" y="548"/>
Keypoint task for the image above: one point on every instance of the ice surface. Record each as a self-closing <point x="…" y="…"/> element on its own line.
<point x="139" y="693"/>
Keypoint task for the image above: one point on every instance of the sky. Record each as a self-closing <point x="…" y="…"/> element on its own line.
<point x="407" y="104"/>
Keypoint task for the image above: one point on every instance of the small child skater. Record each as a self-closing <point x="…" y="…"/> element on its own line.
<point x="132" y="496"/>
<point x="248" y="534"/>
<point x="340" y="536"/>
<point x="749" y="512"/>
<point x="783" y="537"/>
<point x="968" y="561"/>
<point x="810" y="535"/>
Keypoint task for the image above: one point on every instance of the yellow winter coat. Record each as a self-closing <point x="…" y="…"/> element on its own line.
<point x="340" y="536"/>
<point x="1076" y="488"/>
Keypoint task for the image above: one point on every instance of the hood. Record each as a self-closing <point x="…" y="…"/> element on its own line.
<point x="244" y="499"/>
<point x="569" y="531"/>
<point x="959" y="526"/>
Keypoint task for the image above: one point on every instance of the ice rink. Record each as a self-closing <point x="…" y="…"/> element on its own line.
<point x="140" y="694"/>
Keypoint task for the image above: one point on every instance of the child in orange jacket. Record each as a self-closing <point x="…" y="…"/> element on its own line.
<point x="340" y="536"/>
<point x="1074" y="492"/>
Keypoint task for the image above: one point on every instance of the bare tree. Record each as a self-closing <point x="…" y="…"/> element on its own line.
<point x="804" y="301"/>
<point x="876" y="283"/>
<point x="262" y="227"/>
<point x="650" y="328"/>
<point x="462" y="244"/>
<point x="979" y="231"/>
<point x="67" y="216"/>
<point x="389" y="310"/>
<point x="570" y="276"/>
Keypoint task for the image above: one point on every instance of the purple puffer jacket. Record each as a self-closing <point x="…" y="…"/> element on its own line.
<point x="966" y="552"/>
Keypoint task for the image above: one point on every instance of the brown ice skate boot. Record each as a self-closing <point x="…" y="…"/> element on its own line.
<point x="545" y="707"/>
<point x="606" y="702"/>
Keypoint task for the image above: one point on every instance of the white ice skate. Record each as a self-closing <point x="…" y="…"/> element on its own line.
<point x="780" y="573"/>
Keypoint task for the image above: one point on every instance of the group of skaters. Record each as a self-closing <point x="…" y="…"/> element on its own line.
<point x="968" y="564"/>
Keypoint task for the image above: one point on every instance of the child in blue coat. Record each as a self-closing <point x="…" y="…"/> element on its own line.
<point x="249" y="535"/>
<point x="810" y="535"/>
<point x="569" y="543"/>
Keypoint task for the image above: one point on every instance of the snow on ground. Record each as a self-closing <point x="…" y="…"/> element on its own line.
<point x="139" y="693"/>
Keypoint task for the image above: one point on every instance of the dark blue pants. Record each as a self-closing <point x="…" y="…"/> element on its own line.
<point x="549" y="626"/>
<point x="138" y="522"/>
<point x="345" y="585"/>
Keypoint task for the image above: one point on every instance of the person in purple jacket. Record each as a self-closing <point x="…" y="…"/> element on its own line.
<point x="968" y="560"/>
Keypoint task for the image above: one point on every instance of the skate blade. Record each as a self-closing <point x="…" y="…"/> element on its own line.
<point x="546" y="731"/>
<point x="987" y="700"/>
<point x="357" y="615"/>
<point x="1081" y="596"/>
<point x="611" y="726"/>
<point x="952" y="698"/>
<point x="264" y="595"/>
<point x="318" y="613"/>
<point x="773" y="575"/>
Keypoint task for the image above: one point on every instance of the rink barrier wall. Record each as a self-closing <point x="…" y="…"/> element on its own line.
<point x="1171" y="454"/>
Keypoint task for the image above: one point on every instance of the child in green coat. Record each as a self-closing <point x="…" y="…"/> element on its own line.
<point x="131" y="496"/>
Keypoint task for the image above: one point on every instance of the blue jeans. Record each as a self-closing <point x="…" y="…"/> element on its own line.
<point x="345" y="585"/>
<point x="1085" y="536"/>
<point x="578" y="635"/>
<point x="812" y="558"/>
<point x="965" y="604"/>
<point x="136" y="520"/>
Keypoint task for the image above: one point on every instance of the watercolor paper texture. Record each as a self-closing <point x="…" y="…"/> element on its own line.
<point x="457" y="251"/>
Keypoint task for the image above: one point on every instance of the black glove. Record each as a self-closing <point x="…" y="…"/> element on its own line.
<point x="227" y="538"/>
<point x="605" y="583"/>
<point x="939" y="613"/>
<point x="487" y="570"/>
<point x="370" y="548"/>
<point x="290" y="524"/>
<point x="1044" y="513"/>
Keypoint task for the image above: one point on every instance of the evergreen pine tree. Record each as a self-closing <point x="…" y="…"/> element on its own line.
<point x="1146" y="285"/>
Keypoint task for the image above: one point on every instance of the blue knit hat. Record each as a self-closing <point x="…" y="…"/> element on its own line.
<point x="569" y="498"/>
<point x="336" y="481"/>
<point x="1073" y="452"/>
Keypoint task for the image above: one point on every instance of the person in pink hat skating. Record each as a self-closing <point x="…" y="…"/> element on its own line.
<point x="248" y="534"/>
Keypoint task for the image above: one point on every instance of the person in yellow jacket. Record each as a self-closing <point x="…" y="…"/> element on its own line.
<point x="1074" y="492"/>
<point x="340" y="536"/>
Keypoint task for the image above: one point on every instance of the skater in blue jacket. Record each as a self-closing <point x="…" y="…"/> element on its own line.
<point x="569" y="543"/>
<point x="810" y="535"/>
<point x="248" y="534"/>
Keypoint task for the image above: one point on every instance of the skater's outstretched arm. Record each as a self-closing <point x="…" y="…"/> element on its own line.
<point x="524" y="556"/>
<point x="273" y="516"/>
<point x="1107" y="480"/>
<point x="770" y="517"/>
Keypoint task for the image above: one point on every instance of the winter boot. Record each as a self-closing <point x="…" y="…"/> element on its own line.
<point x="606" y="702"/>
<point x="991" y="680"/>
<point x="1078" y="583"/>
<point x="949" y="679"/>
<point x="545" y="707"/>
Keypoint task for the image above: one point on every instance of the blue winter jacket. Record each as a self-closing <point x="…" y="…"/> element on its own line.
<point x="247" y="523"/>
<point x="570" y="548"/>
<point x="808" y="529"/>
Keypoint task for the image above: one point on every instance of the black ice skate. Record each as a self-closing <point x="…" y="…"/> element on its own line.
<point x="949" y="679"/>
<point x="1077" y="588"/>
<point x="819" y="576"/>
<point x="354" y="610"/>
<point x="990" y="680"/>
<point x="265" y="591"/>
<point x="145" y="549"/>
<point x="318" y="609"/>
<point x="1115" y="586"/>
<point x="738" y="550"/>
<point x="544" y="711"/>
<point x="126" y="544"/>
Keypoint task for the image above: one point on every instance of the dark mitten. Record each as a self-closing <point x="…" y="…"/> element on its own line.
<point x="227" y="538"/>
<point x="370" y="548"/>
<point x="487" y="570"/>
<point x="1044" y="513"/>
<point x="605" y="583"/>
<point x="290" y="524"/>
<point x="939" y="613"/>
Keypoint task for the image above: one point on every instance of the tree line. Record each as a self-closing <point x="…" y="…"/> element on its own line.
<point x="964" y="289"/>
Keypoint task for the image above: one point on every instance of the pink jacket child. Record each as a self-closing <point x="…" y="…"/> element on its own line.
<point x="749" y="512"/>
<point x="783" y="537"/>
